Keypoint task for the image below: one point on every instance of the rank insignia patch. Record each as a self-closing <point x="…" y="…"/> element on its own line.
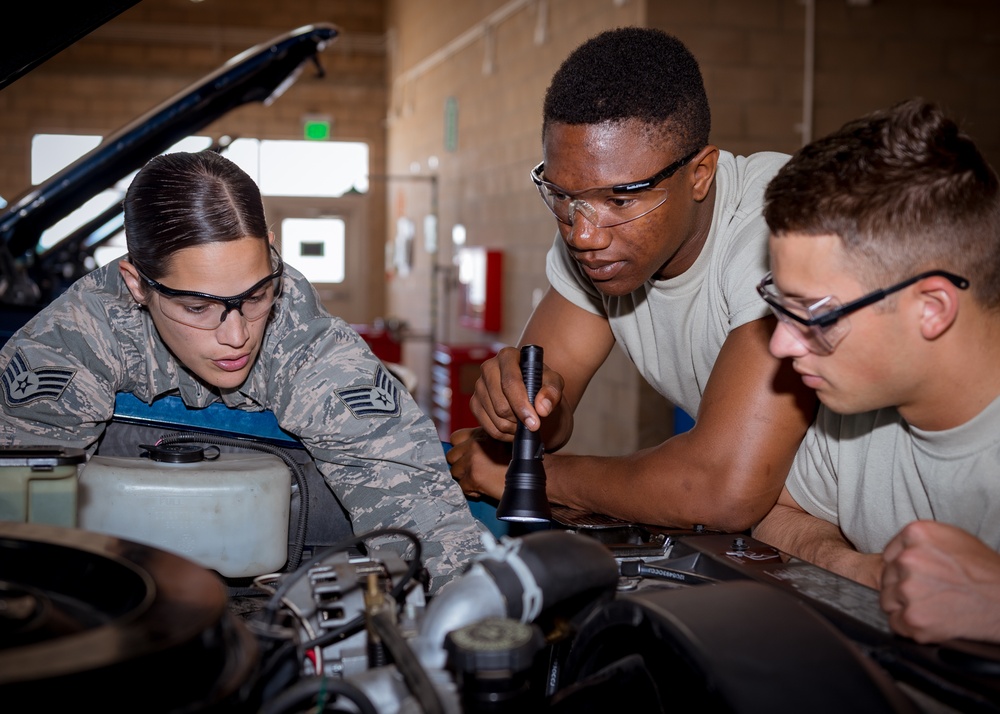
<point x="23" y="385"/>
<point x="381" y="398"/>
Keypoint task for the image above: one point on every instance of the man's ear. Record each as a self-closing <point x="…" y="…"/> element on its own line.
<point x="939" y="303"/>
<point x="703" y="173"/>
<point x="131" y="277"/>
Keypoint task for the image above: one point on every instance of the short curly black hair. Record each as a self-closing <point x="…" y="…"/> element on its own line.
<point x="632" y="73"/>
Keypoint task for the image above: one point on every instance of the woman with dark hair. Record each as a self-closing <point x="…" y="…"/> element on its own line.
<point x="202" y="307"/>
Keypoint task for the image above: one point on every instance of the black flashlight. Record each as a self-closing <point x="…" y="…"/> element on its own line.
<point x="524" y="496"/>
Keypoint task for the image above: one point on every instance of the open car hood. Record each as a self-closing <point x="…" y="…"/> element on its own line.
<point x="30" y="276"/>
<point x="38" y="33"/>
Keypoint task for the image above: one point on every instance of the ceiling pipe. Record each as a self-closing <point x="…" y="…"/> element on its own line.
<point x="808" y="72"/>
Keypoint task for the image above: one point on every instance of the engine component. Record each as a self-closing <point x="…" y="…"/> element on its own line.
<point x="538" y="622"/>
<point x="38" y="484"/>
<point x="228" y="512"/>
<point x="344" y="606"/>
<point x="495" y="663"/>
<point x="328" y="602"/>
<point x="89" y="619"/>
<point x="731" y="647"/>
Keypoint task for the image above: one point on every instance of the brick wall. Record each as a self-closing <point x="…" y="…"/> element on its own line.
<point x="158" y="47"/>
<point x="484" y="183"/>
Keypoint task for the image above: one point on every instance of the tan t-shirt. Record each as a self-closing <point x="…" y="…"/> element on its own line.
<point x="873" y="473"/>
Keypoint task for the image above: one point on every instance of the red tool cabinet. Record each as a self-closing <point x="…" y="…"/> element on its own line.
<point x="453" y="382"/>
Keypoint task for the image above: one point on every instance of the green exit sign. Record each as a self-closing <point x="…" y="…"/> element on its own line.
<point x="316" y="129"/>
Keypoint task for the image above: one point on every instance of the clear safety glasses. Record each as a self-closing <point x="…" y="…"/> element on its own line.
<point x="607" y="205"/>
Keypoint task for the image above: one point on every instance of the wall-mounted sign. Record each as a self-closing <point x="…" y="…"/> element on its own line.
<point x="451" y="124"/>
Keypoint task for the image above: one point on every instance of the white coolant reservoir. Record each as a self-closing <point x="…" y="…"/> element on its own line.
<point x="227" y="512"/>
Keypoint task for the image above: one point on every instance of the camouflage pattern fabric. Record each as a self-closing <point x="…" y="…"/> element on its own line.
<point x="377" y="450"/>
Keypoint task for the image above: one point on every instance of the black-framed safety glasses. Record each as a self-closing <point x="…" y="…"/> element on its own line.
<point x="205" y="311"/>
<point x="822" y="326"/>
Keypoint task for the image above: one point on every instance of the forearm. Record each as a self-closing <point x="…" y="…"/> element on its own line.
<point x="639" y="488"/>
<point x="820" y="542"/>
<point x="724" y="473"/>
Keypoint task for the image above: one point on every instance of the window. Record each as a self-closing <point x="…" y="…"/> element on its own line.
<point x="315" y="246"/>
<point x="50" y="153"/>
<point x="280" y="168"/>
<point x="311" y="168"/>
<point x="320" y="169"/>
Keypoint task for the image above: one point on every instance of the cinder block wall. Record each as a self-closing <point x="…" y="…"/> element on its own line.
<point x="498" y="79"/>
<point x="155" y="49"/>
<point x="495" y="58"/>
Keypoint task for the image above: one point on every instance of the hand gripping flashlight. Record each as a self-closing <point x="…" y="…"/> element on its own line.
<point x="524" y="496"/>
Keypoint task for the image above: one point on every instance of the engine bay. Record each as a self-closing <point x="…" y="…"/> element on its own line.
<point x="574" y="618"/>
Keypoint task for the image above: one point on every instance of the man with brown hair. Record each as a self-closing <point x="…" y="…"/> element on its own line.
<point x="885" y="255"/>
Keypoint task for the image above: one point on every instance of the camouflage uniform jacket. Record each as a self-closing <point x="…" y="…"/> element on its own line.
<point x="377" y="450"/>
